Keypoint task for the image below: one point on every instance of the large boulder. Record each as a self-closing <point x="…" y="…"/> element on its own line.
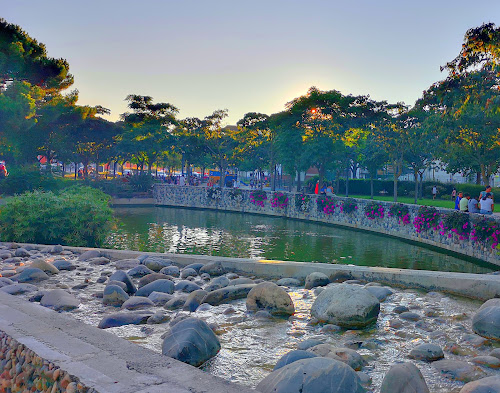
<point x="194" y="300"/>
<point x="139" y="271"/>
<point x="346" y="355"/>
<point x="59" y="300"/>
<point x="89" y="255"/>
<point x="483" y="385"/>
<point x="62" y="264"/>
<point x="114" y="296"/>
<point x="427" y="352"/>
<point x="123" y="264"/>
<point x="137" y="302"/>
<point x="156" y="263"/>
<point x="31" y="274"/>
<point x="21" y="252"/>
<point x="458" y="370"/>
<point x="188" y="272"/>
<point x="165" y="286"/>
<point x="346" y="305"/>
<point x="316" y="279"/>
<point x="270" y="297"/>
<point x="381" y="293"/>
<point x="404" y="378"/>
<point x="124" y="318"/>
<point x="225" y="295"/>
<point x="123" y="277"/>
<point x="486" y="322"/>
<point x="213" y="268"/>
<point x="176" y="303"/>
<point x="315" y="375"/>
<point x="186" y="286"/>
<point x="217" y="283"/>
<point x="4" y="281"/>
<point x="293" y="356"/>
<point x="160" y="298"/>
<point x="45" y="266"/>
<point x="151" y="277"/>
<point x="191" y="341"/>
<point x="173" y="271"/>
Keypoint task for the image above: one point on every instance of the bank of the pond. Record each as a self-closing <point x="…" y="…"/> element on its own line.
<point x="360" y="214"/>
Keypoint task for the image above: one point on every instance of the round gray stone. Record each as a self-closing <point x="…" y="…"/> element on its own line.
<point x="486" y="322"/>
<point x="293" y="356"/>
<point x="268" y="296"/>
<point x="165" y="286"/>
<point x="316" y="279"/>
<point x="427" y="352"/>
<point x="137" y="302"/>
<point x="404" y="378"/>
<point x="114" y="296"/>
<point x="59" y="300"/>
<point x="483" y="385"/>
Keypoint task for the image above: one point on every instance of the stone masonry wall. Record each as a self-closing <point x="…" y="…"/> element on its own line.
<point x="216" y="199"/>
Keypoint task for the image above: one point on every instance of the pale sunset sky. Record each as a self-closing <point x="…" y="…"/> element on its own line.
<point x="248" y="56"/>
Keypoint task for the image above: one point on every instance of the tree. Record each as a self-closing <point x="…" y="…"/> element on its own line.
<point x="373" y="157"/>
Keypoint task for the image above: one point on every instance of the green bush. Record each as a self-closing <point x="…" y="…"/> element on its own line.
<point x="28" y="179"/>
<point x="78" y="216"/>
<point x="141" y="183"/>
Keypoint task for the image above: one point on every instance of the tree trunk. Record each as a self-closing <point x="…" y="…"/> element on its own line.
<point x="478" y="178"/>
<point x="114" y="169"/>
<point x="298" y="181"/>
<point x="347" y="182"/>
<point x="337" y="181"/>
<point x="76" y="170"/>
<point x="371" y="186"/>
<point x="415" y="174"/>
<point x="321" y="173"/>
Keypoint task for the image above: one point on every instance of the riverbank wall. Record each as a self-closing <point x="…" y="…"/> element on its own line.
<point x="360" y="218"/>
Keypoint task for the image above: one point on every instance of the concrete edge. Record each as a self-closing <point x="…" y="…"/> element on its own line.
<point x="475" y="286"/>
<point x="100" y="359"/>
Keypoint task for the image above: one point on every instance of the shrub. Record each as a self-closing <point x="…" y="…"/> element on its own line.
<point x="326" y="205"/>
<point x="486" y="231"/>
<point x="302" y="202"/>
<point x="213" y="193"/>
<point x="258" y="197"/>
<point x="349" y="206"/>
<point x="78" y="216"/>
<point x="235" y="194"/>
<point x="457" y="222"/>
<point x="374" y="210"/>
<point x="28" y="179"/>
<point x="427" y="217"/>
<point x="279" y="200"/>
<point x="141" y="182"/>
<point x="401" y="212"/>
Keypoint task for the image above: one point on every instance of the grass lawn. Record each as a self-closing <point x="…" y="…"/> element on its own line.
<point x="428" y="202"/>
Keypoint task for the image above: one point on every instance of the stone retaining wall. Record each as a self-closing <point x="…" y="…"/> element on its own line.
<point x="197" y="197"/>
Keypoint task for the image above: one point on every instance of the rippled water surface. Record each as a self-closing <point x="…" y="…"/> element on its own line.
<point x="205" y="232"/>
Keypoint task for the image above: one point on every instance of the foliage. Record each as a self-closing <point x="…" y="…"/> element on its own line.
<point x="28" y="179"/>
<point x="458" y="223"/>
<point x="374" y="210"/>
<point x="78" y="216"/>
<point x="213" y="193"/>
<point x="279" y="200"/>
<point x="326" y="205"/>
<point x="427" y="217"/>
<point x="235" y="194"/>
<point x="486" y="231"/>
<point x="401" y="212"/>
<point x="141" y="182"/>
<point x="349" y="206"/>
<point x="302" y="202"/>
<point x="258" y="197"/>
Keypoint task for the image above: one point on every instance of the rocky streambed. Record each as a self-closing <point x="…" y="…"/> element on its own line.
<point x="369" y="336"/>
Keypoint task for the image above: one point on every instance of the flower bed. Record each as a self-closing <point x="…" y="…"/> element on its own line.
<point x="427" y="218"/>
<point x="374" y="210"/>
<point x="326" y="205"/>
<point x="456" y="223"/>
<point x="258" y="197"/>
<point x="401" y="212"/>
<point x="279" y="200"/>
<point x="349" y="206"/>
<point x="486" y="231"/>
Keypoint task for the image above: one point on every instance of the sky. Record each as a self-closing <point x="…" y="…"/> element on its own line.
<point x="248" y="56"/>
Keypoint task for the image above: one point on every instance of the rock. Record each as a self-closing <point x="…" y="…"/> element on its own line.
<point x="404" y="378"/>
<point x="160" y="298"/>
<point x="188" y="272"/>
<point x="365" y="379"/>
<point x="427" y="352"/>
<point x="137" y="302"/>
<point x="31" y="274"/>
<point x="314" y="375"/>
<point x="176" y="303"/>
<point x="151" y="278"/>
<point x="262" y="314"/>
<point x="495" y="302"/>
<point x="409" y="316"/>
<point x="158" y="317"/>
<point x="62" y="264"/>
<point x="241" y="281"/>
<point x="381" y="293"/>
<point x="217" y="283"/>
<point x="270" y="297"/>
<point x="123" y="264"/>
<point x="396" y="323"/>
<point x="458" y="370"/>
<point x="5" y="255"/>
<point x="124" y="318"/>
<point x="45" y="266"/>
<point x="400" y="309"/>
<point x="194" y="300"/>
<point x="475" y="340"/>
<point x="213" y="268"/>
<point x="288" y="282"/>
<point x="293" y="356"/>
<point x="4" y="281"/>
<point x="191" y="341"/>
<point x="114" y="296"/>
<point x="165" y="286"/>
<point x="119" y="283"/>
<point x="340" y="276"/>
<point x="196" y="266"/>
<point x="487" y="361"/>
<point x="139" y="271"/>
<point x="496" y="353"/>
<point x="22" y="253"/>
<point x="347" y="306"/>
<point x="186" y="286"/>
<point x="486" y="322"/>
<point x="59" y="300"/>
<point x="36" y="297"/>
<point x="316" y="279"/>
<point x="225" y="295"/>
<point x="57" y="249"/>
<point x="99" y="261"/>
<point x="171" y="271"/>
<point x="483" y="385"/>
<point x="123" y="277"/>
<point x="17" y="289"/>
<point x="346" y="355"/>
<point x="156" y="263"/>
<point x="309" y="343"/>
<point x="89" y="254"/>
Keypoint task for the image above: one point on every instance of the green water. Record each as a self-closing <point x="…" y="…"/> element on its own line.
<point x="187" y="231"/>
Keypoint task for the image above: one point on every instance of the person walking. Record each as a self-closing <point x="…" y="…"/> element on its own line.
<point x="486" y="204"/>
<point x="434" y="192"/>
<point x="453" y="193"/>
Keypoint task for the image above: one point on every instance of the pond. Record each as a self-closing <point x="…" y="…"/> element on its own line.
<point x="190" y="231"/>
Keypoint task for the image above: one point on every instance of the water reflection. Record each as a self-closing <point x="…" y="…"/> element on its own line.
<point x="175" y="230"/>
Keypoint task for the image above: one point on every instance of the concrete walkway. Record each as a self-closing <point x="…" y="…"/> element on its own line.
<point x="101" y="360"/>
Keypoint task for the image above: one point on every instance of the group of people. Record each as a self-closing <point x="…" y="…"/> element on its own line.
<point x="327" y="189"/>
<point x="180" y="180"/>
<point x="483" y="204"/>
